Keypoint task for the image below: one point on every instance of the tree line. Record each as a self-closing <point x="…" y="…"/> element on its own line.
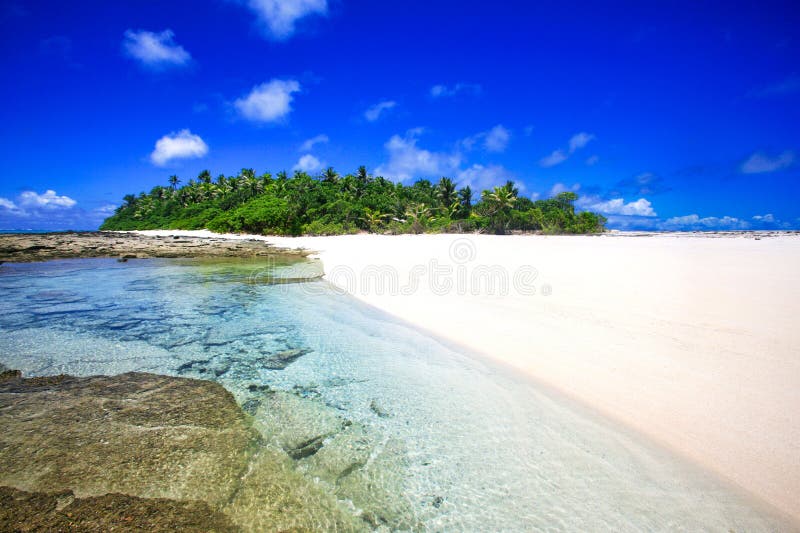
<point x="331" y="204"/>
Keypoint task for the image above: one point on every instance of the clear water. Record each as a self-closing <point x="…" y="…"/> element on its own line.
<point x="481" y="448"/>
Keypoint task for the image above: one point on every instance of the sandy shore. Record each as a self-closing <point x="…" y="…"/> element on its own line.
<point x="693" y="341"/>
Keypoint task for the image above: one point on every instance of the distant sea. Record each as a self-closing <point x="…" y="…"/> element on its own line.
<point x="40" y="230"/>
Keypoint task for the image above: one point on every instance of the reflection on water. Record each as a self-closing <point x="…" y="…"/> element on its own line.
<point x="406" y="432"/>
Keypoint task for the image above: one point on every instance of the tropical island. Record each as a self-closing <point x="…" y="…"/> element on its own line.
<point x="331" y="204"/>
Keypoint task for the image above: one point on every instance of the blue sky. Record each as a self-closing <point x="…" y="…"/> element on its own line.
<point x="662" y="115"/>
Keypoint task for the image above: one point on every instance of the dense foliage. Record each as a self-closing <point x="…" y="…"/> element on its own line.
<point x="334" y="204"/>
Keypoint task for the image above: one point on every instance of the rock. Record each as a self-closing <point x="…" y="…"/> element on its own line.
<point x="164" y="452"/>
<point x="292" y="423"/>
<point x="355" y="464"/>
<point x="140" y="434"/>
<point x="124" y="246"/>
<point x="251" y="406"/>
<point x="307" y="448"/>
<point x="378" y="488"/>
<point x="284" y="499"/>
<point x="378" y="410"/>
<point x="280" y="360"/>
<point x="6" y="374"/>
<point x="342" y="455"/>
<point x="39" y="511"/>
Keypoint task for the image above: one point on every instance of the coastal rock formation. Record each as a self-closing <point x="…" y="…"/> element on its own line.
<point x="147" y="446"/>
<point x="24" y="247"/>
<point x="62" y="511"/>
<point x="351" y="461"/>
<point x="139" y="434"/>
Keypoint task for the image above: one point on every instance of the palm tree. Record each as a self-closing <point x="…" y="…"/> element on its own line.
<point x="362" y="174"/>
<point x="511" y="187"/>
<point x="565" y="200"/>
<point x="280" y="183"/>
<point x="204" y="177"/>
<point x="418" y="214"/>
<point x="330" y="175"/>
<point x="465" y="199"/>
<point x="499" y="203"/>
<point x="446" y="192"/>
<point x="174" y="181"/>
<point x="373" y="218"/>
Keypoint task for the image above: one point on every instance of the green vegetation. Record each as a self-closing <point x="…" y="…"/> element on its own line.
<point x="332" y="204"/>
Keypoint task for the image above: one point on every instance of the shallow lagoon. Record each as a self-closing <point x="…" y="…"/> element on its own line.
<point x="458" y="443"/>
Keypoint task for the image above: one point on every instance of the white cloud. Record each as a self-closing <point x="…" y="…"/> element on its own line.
<point x="268" y="102"/>
<point x="494" y="140"/>
<point x="374" y="112"/>
<point x="31" y="204"/>
<point x="479" y="177"/>
<point x="49" y="211"/>
<point x="181" y="145"/>
<point x="592" y="160"/>
<point x="407" y="160"/>
<point x="695" y="222"/>
<point x="621" y="222"/>
<point x="155" y="50"/>
<point x="105" y="210"/>
<point x="769" y="217"/>
<point x="579" y="140"/>
<point x="280" y="17"/>
<point x="576" y="142"/>
<point x="308" y="163"/>
<point x="556" y="157"/>
<point x="759" y="162"/>
<point x="617" y="206"/>
<point x="48" y="200"/>
<point x="535" y="196"/>
<point x="309" y="144"/>
<point x="560" y="187"/>
<point x="443" y="91"/>
<point x="497" y="139"/>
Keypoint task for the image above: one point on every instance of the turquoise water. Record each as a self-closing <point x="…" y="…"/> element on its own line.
<point x="472" y="446"/>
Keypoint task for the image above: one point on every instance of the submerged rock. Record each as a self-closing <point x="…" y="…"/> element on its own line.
<point x="155" y="447"/>
<point x="40" y="511"/>
<point x="291" y="422"/>
<point x="140" y="434"/>
<point x="376" y="408"/>
<point x="280" y="360"/>
<point x="351" y="461"/>
<point x="274" y="496"/>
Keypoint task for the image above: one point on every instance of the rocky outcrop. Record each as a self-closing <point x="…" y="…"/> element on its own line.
<point x="152" y="447"/>
<point x="41" y="247"/>
<point x="45" y="512"/>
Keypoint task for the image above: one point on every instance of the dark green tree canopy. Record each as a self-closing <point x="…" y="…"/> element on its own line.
<point x="333" y="204"/>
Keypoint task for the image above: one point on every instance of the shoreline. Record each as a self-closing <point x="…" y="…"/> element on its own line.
<point x="28" y="247"/>
<point x="659" y="334"/>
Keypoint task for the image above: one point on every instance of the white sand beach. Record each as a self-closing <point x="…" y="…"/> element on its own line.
<point x="691" y="340"/>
